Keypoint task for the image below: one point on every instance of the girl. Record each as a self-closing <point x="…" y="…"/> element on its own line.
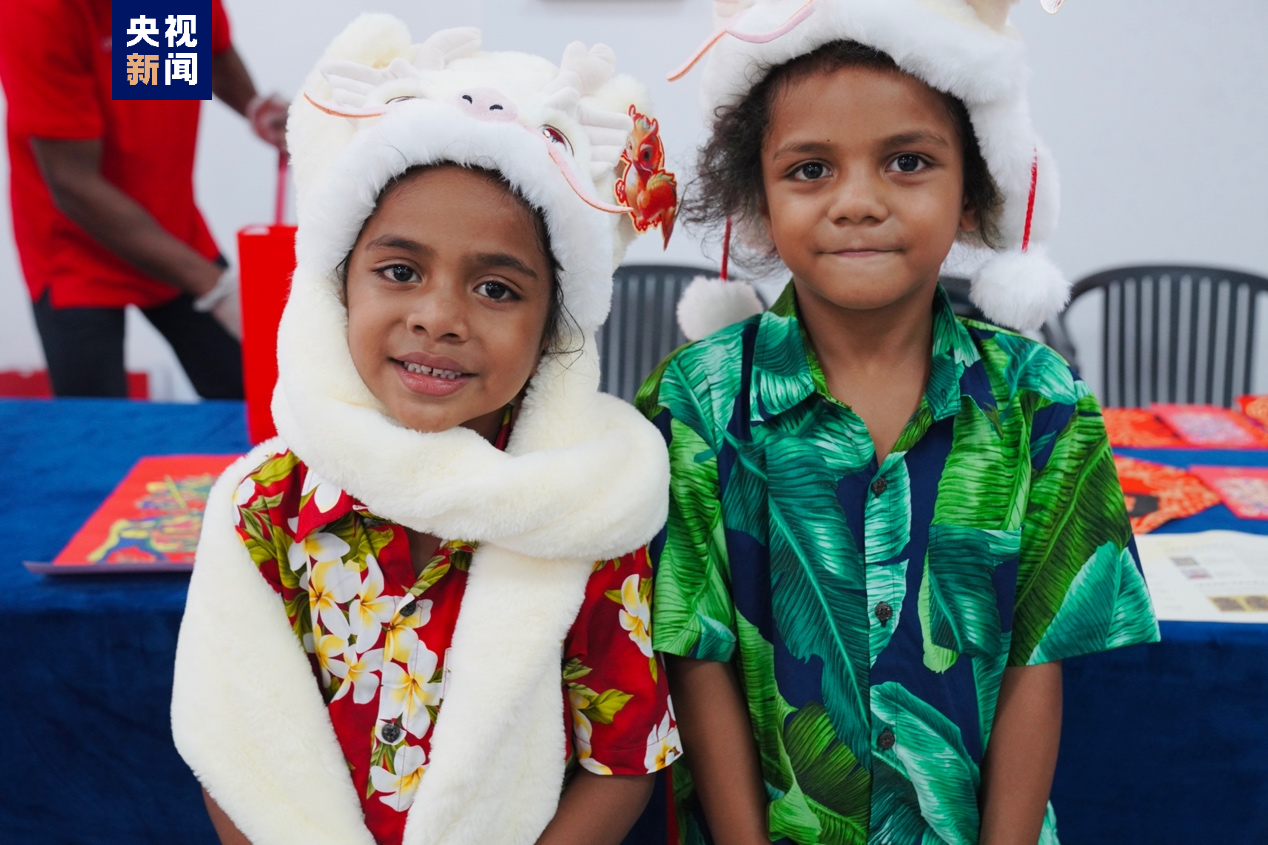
<point x="887" y="526"/>
<point x="397" y="630"/>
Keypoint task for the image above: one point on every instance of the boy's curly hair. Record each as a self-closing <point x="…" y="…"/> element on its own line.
<point x="728" y="178"/>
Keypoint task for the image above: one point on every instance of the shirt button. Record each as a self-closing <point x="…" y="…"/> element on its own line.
<point x="390" y="732"/>
<point x="408" y="610"/>
<point x="879" y="485"/>
<point x="885" y="740"/>
<point x="884" y="612"/>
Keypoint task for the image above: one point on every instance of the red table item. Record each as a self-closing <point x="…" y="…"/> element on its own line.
<point x="1211" y="426"/>
<point x="1137" y="427"/>
<point x="1157" y="493"/>
<point x="266" y="260"/>
<point x="150" y="522"/>
<point x="1256" y="408"/>
<point x="1243" y="489"/>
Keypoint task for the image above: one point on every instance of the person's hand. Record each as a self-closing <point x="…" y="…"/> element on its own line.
<point x="224" y="303"/>
<point x="267" y="116"/>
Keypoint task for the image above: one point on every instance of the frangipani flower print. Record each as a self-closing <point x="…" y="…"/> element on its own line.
<point x="244" y="492"/>
<point x="316" y="547"/>
<point x="331" y="585"/>
<point x="376" y="630"/>
<point x="582" y="731"/>
<point x="409" y="690"/>
<point x="370" y="609"/>
<point x="398" y="788"/>
<point x="330" y="652"/>
<point x="361" y="675"/>
<point x="663" y="745"/>
<point x="400" y="637"/>
<point x="636" y="613"/>
<point x="325" y="494"/>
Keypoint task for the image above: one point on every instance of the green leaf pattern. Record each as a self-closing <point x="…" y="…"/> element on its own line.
<point x="1028" y="487"/>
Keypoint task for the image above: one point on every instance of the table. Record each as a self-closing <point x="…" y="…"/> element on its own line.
<point x="1168" y="743"/>
<point x="1162" y="744"/>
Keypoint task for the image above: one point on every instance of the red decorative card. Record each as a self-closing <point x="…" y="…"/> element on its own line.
<point x="1212" y="426"/>
<point x="1157" y="493"/>
<point x="1137" y="427"/>
<point x="150" y="522"/>
<point x="1256" y="408"/>
<point x="1243" y="489"/>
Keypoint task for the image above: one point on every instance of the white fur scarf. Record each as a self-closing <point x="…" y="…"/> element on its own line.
<point x="583" y="479"/>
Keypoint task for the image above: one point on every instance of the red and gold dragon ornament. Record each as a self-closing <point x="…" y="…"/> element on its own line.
<point x="646" y="187"/>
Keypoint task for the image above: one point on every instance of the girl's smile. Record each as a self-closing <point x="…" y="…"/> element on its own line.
<point x="448" y="289"/>
<point x="428" y="375"/>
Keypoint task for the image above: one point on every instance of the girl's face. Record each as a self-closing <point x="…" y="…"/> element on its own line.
<point x="448" y="293"/>
<point x="864" y="186"/>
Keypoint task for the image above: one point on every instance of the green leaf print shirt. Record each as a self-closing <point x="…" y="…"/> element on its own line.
<point x="871" y="609"/>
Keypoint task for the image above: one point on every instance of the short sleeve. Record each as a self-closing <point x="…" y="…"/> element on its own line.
<point x="618" y="697"/>
<point x="221" y="37"/>
<point x="47" y="54"/>
<point x="1080" y="587"/>
<point x="695" y="614"/>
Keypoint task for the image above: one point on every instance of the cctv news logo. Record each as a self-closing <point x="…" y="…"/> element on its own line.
<point x="161" y="50"/>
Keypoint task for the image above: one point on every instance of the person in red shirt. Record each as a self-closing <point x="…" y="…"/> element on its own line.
<point x="103" y="200"/>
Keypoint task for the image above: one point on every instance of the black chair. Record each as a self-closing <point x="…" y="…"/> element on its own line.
<point x="643" y="326"/>
<point x="1175" y="333"/>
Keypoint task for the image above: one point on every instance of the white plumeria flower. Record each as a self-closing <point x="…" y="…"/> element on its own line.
<point x="332" y="584"/>
<point x="400" y="638"/>
<point x="636" y="615"/>
<point x="330" y="652"/>
<point x="370" y="610"/>
<point x="325" y="494"/>
<point x="360" y="675"/>
<point x="399" y="788"/>
<point x="582" y="730"/>
<point x="408" y="690"/>
<point x="317" y="547"/>
<point x="245" y="491"/>
<point x="663" y="745"/>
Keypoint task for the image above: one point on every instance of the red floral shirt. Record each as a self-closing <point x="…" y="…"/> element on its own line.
<point x="377" y="636"/>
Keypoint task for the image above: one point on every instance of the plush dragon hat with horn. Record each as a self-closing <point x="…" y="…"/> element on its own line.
<point x="378" y="104"/>
<point x="965" y="48"/>
<point x="583" y="478"/>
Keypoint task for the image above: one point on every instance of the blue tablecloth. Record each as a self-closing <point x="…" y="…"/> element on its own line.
<point x="1162" y="744"/>
<point x="1168" y="743"/>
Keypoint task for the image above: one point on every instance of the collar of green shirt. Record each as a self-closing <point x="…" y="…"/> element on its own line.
<point x="786" y="371"/>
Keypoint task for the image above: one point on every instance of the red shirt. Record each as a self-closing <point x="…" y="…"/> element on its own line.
<point x="55" y="66"/>
<point x="378" y="636"/>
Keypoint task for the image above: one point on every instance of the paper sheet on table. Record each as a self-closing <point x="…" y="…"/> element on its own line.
<point x="1211" y="576"/>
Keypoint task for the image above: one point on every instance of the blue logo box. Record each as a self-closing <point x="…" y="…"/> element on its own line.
<point x="161" y="50"/>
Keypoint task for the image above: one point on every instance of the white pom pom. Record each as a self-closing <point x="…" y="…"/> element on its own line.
<point x="711" y="304"/>
<point x="1020" y="290"/>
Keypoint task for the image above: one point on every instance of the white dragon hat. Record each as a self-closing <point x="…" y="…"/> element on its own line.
<point x="965" y="48"/>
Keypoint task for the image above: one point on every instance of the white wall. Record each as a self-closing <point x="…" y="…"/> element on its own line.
<point x="1157" y="111"/>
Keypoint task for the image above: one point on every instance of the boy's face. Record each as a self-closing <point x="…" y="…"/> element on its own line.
<point x="448" y="294"/>
<point x="864" y="186"/>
